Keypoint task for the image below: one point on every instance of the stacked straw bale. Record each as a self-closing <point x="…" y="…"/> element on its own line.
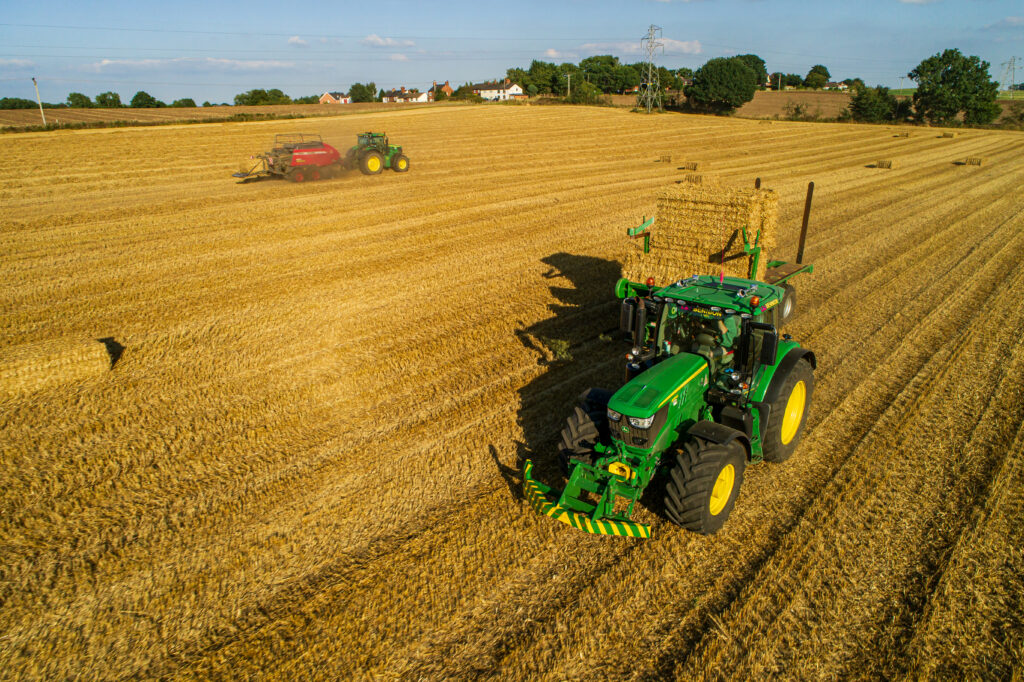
<point x="693" y="224"/>
<point x="36" y="366"/>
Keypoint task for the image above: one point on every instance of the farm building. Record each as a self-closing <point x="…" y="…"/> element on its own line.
<point x="446" y="89"/>
<point x="335" y="98"/>
<point x="403" y="95"/>
<point x="836" y="86"/>
<point x="496" y="91"/>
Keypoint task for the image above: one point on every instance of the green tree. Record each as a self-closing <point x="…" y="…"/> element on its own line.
<point x="684" y="72"/>
<point x="721" y="85"/>
<point x="950" y="84"/>
<point x="600" y="71"/>
<point x="873" y="105"/>
<point x="584" y="93"/>
<point x="207" y="103"/>
<point x="360" y="92"/>
<point x="544" y="75"/>
<point x="756" y="65"/>
<point x="308" y="99"/>
<point x="854" y="83"/>
<point x="110" y="100"/>
<point x="792" y="80"/>
<point x="184" y="102"/>
<point x="144" y="100"/>
<point x="815" y="81"/>
<point x="16" y="103"/>
<point x="77" y="100"/>
<point x="532" y="90"/>
<point x="820" y="69"/>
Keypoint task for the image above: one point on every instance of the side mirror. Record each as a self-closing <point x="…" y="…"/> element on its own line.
<point x="769" y="347"/>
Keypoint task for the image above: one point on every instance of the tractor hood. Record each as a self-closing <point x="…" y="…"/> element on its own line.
<point x="649" y="392"/>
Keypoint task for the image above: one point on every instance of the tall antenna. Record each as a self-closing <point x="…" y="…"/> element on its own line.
<point x="650" y="90"/>
<point x="1011" y="71"/>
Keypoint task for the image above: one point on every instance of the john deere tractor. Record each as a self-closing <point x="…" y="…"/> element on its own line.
<point x="710" y="386"/>
<point x="372" y="154"/>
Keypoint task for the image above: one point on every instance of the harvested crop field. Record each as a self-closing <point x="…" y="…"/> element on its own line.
<point x="30" y="117"/>
<point x="305" y="459"/>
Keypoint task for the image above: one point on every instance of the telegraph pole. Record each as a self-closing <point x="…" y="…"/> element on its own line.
<point x="39" y="101"/>
<point x="568" y="92"/>
<point x="650" y="90"/>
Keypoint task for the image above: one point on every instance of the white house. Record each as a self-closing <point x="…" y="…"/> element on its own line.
<point x="335" y="98"/>
<point x="496" y="91"/>
<point x="407" y="96"/>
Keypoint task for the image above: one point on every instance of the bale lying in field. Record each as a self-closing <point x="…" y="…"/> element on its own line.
<point x="696" y="226"/>
<point x="36" y="366"/>
<point x="974" y="160"/>
<point x="689" y="165"/>
<point x="887" y="163"/>
<point x="948" y="134"/>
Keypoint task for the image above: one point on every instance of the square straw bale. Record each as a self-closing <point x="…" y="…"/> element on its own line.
<point x="974" y="161"/>
<point x="694" y="223"/>
<point x="887" y="163"/>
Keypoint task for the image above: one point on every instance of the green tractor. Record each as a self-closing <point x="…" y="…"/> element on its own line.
<point x="710" y="387"/>
<point x="372" y="154"/>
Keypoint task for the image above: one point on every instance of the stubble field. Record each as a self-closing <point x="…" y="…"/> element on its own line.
<point x="305" y="461"/>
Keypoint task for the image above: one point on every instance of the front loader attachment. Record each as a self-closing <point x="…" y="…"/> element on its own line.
<point x="594" y="522"/>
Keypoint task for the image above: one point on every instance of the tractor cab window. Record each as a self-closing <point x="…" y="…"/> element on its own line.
<point x="715" y="339"/>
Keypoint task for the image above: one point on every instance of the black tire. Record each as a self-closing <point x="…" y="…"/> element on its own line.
<point x="400" y="164"/>
<point x="783" y="432"/>
<point x="371" y="163"/>
<point x="788" y="304"/>
<point x="702" y="489"/>
<point x="586" y="427"/>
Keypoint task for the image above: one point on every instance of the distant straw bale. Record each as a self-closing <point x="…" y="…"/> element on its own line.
<point x="696" y="225"/>
<point x="689" y="165"/>
<point x="902" y="135"/>
<point x="974" y="160"/>
<point x="885" y="163"/>
<point x="36" y="366"/>
<point x="692" y="178"/>
<point x="948" y="134"/>
<point x="665" y="158"/>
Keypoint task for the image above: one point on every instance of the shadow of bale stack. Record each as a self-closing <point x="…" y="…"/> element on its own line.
<point x="698" y="231"/>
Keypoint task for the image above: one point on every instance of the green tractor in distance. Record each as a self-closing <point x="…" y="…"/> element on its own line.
<point x="372" y="154"/>
<point x="710" y="386"/>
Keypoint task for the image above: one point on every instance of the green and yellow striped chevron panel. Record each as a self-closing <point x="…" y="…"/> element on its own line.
<point x="536" y="494"/>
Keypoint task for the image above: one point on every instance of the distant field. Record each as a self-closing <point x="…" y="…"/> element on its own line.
<point x="771" y="104"/>
<point x="306" y="462"/>
<point x="24" y="117"/>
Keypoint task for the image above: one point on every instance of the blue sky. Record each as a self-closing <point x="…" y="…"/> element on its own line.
<point x="212" y="51"/>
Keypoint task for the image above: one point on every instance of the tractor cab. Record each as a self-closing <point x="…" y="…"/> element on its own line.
<point x="374" y="141"/>
<point x="723" y="320"/>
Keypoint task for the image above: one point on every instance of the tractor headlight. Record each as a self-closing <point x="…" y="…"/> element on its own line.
<point x="614" y="416"/>
<point x="641" y="423"/>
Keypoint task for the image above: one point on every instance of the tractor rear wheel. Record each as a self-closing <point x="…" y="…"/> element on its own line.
<point x="704" y="484"/>
<point x="586" y="427"/>
<point x="789" y="410"/>
<point x="788" y="303"/>
<point x="372" y="163"/>
<point x="400" y="163"/>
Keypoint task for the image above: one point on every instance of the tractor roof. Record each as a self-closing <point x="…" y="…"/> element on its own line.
<point x="714" y="296"/>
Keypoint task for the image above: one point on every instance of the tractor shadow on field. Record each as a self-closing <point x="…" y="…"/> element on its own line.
<point x="578" y="346"/>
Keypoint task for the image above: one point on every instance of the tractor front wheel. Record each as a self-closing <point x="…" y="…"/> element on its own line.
<point x="789" y="408"/>
<point x="705" y="482"/>
<point x="586" y="427"/>
<point x="788" y="303"/>
<point x="372" y="163"/>
<point x="400" y="163"/>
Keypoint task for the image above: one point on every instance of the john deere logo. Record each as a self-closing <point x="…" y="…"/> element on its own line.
<point x="625" y="429"/>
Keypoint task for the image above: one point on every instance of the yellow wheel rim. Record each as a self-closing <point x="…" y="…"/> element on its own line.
<point x="723" y="489"/>
<point x="373" y="164"/>
<point x="402" y="164"/>
<point x="794" y="413"/>
<point x="620" y="469"/>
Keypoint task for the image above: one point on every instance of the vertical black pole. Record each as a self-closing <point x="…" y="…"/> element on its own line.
<point x="803" y="230"/>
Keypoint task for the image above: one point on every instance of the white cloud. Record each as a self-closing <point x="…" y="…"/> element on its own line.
<point x="682" y="46"/>
<point x="297" y="42"/>
<point x="552" y="53"/>
<point x="187" y="64"/>
<point x="374" y="40"/>
<point x="16" y="63"/>
<point x="398" y="58"/>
